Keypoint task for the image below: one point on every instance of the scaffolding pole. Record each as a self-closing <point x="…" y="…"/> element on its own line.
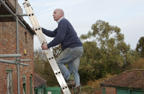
<point x="24" y="60"/>
<point x="12" y="16"/>
<point x="17" y="34"/>
<point x="6" y="15"/>
<point x="15" y="15"/>
<point x="11" y="62"/>
<point x="10" y="55"/>
<point x="22" y="15"/>
<point x="7" y="61"/>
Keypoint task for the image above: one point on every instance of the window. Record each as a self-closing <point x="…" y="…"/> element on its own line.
<point x="26" y="38"/>
<point x="9" y="82"/>
<point x="42" y="91"/>
<point x="24" y="84"/>
<point x="31" y="84"/>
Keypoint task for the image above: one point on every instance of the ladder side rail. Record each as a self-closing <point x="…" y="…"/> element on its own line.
<point x="33" y="17"/>
<point x="31" y="10"/>
<point x="28" y="12"/>
<point x="27" y="8"/>
<point x="62" y="79"/>
<point x="49" y="57"/>
<point x="56" y="70"/>
<point x="65" y="88"/>
<point x="58" y="73"/>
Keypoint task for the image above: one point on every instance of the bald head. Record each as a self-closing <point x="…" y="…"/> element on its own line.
<point x="60" y="11"/>
<point x="57" y="14"/>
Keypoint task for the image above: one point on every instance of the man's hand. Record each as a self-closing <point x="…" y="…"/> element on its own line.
<point x="44" y="46"/>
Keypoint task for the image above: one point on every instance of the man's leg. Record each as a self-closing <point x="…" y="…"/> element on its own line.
<point x="74" y="65"/>
<point x="69" y="55"/>
<point x="63" y="59"/>
<point x="73" y="68"/>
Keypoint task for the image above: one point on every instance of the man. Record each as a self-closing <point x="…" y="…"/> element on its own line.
<point x="72" y="47"/>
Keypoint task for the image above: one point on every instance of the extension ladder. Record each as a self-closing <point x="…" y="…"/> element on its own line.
<point x="48" y="52"/>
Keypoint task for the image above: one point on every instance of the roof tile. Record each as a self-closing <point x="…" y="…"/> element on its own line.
<point x="38" y="81"/>
<point x="131" y="78"/>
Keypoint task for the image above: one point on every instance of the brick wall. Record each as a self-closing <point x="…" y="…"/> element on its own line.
<point x="8" y="46"/>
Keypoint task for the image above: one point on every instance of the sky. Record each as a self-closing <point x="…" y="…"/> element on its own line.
<point x="128" y="15"/>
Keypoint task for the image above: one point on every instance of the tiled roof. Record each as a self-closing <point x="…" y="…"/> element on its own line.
<point x="131" y="78"/>
<point x="38" y="81"/>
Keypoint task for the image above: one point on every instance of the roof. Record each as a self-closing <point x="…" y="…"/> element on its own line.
<point x="11" y="5"/>
<point x="131" y="78"/>
<point x="38" y="81"/>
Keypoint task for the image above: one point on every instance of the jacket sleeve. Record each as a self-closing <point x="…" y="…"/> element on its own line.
<point x="60" y="36"/>
<point x="49" y="33"/>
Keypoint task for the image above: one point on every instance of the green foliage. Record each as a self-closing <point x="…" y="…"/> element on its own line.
<point x="88" y="61"/>
<point x="107" y="54"/>
<point x="57" y="51"/>
<point x="39" y="59"/>
<point x="140" y="47"/>
<point x="43" y="68"/>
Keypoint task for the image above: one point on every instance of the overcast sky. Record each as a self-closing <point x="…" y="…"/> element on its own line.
<point x="128" y="15"/>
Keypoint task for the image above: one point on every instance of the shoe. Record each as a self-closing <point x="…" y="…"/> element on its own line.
<point x="70" y="81"/>
<point x="77" y="89"/>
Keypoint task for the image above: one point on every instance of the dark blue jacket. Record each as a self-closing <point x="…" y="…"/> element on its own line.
<point x="64" y="34"/>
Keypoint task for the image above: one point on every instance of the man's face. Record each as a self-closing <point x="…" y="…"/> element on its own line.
<point x="57" y="15"/>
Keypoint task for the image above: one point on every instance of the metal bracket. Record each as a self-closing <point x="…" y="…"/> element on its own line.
<point x="17" y="61"/>
<point x="28" y="4"/>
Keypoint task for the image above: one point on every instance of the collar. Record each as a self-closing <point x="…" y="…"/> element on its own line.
<point x="60" y="19"/>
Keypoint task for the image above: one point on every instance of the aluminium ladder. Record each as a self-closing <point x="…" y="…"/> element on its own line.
<point x="48" y="52"/>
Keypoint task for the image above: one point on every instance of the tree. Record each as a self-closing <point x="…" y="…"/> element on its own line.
<point x="39" y="60"/>
<point x="140" y="47"/>
<point x="57" y="51"/>
<point x="106" y="53"/>
<point x="110" y="41"/>
<point x="89" y="67"/>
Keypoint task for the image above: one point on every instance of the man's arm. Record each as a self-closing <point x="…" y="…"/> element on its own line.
<point x="49" y="33"/>
<point x="60" y="36"/>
